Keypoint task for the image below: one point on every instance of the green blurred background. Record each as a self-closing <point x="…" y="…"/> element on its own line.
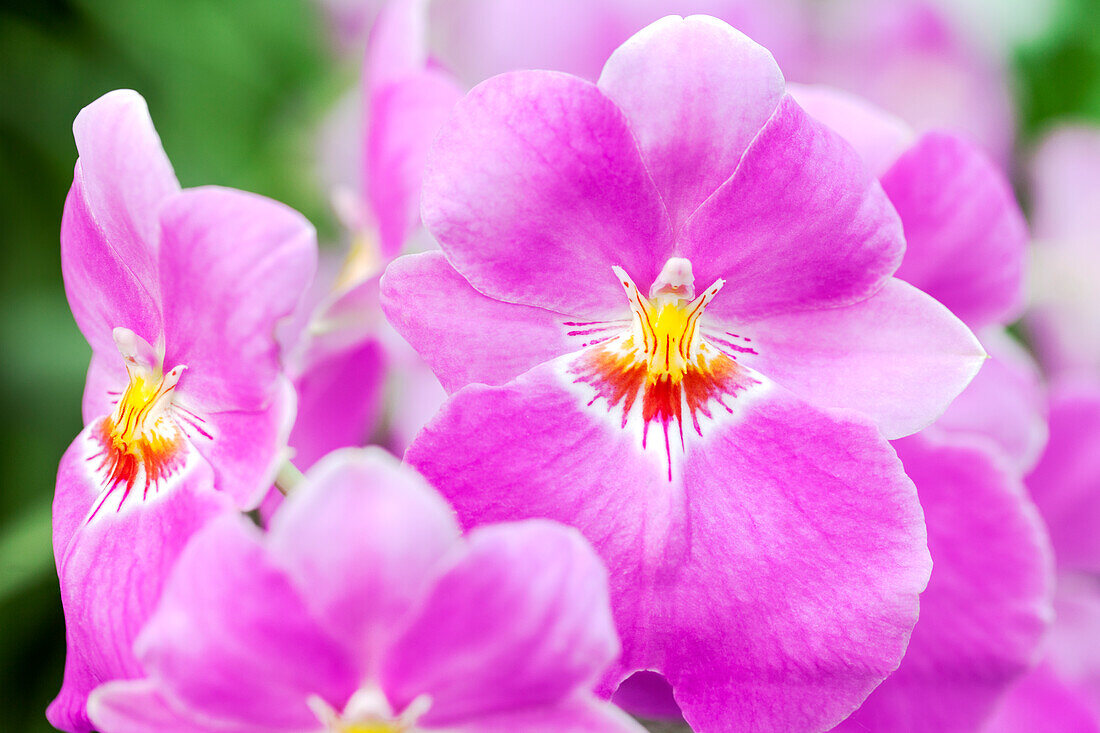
<point x="236" y="88"/>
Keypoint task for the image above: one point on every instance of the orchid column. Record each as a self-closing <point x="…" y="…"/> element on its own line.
<point x="613" y="256"/>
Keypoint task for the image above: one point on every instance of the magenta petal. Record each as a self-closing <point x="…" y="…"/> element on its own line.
<point x="878" y="136"/>
<point x="113" y="558"/>
<point x="362" y="577"/>
<point x="1066" y="482"/>
<point x="109" y="231"/>
<point x="232" y="638"/>
<point x="774" y="581"/>
<point x="140" y="706"/>
<point x="104" y="384"/>
<point x="580" y="714"/>
<point x="696" y="92"/>
<point x="899" y="357"/>
<point x="465" y="336"/>
<point x="404" y="117"/>
<point x="966" y="235"/>
<point x="232" y="265"/>
<point x="1006" y="403"/>
<point x="988" y="601"/>
<point x="339" y="399"/>
<point x="801" y="225"/>
<point x="1044" y="702"/>
<point x="521" y="620"/>
<point x="535" y="188"/>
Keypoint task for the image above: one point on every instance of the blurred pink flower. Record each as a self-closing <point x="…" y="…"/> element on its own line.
<point x="678" y="431"/>
<point x="362" y="609"/>
<point x="1064" y="320"/>
<point x="186" y="407"/>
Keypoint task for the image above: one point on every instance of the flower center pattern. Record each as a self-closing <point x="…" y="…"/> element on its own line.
<point x="663" y="358"/>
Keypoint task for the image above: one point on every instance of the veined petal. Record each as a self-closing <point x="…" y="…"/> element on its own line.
<point x="696" y="92"/>
<point x="772" y="577"/>
<point x="801" y="225"/>
<point x="362" y="578"/>
<point x="966" y="236"/>
<point x="899" y="356"/>
<point x="878" y="136"/>
<point x="988" y="601"/>
<point x="114" y="549"/>
<point x="233" y="265"/>
<point x="521" y="620"/>
<point x="233" y="640"/>
<point x="467" y="337"/>
<point x="535" y="188"/>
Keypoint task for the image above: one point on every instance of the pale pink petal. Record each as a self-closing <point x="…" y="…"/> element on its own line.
<point x="899" y="357"/>
<point x="773" y="580"/>
<point x="696" y="92"/>
<point x="233" y="265"/>
<point x="398" y="43"/>
<point x="520" y="620"/>
<point x="1043" y="702"/>
<point x="465" y="336"/>
<point x="580" y="714"/>
<point x="363" y="538"/>
<point x="801" y="225"/>
<point x="114" y="549"/>
<point x="140" y="706"/>
<point x="245" y="448"/>
<point x="232" y="638"/>
<point x="966" y="236"/>
<point x="1066" y="482"/>
<point x="104" y="384"/>
<point x="1006" y="403"/>
<point x="988" y="602"/>
<point x="1065" y="183"/>
<point x="878" y="136"/>
<point x="535" y="188"/>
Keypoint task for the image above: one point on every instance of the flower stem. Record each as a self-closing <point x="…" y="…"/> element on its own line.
<point x="288" y="477"/>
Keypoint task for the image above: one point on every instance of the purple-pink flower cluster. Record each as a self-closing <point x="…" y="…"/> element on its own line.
<point x="695" y="396"/>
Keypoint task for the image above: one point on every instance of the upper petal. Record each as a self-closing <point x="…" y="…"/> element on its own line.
<point x="988" y="601"/>
<point x="966" y="236"/>
<point x="696" y="92"/>
<point x="773" y="579"/>
<point x="232" y="265"/>
<point x="899" y="356"/>
<point x="1066" y="482"/>
<point x="520" y="621"/>
<point x="465" y="336"/>
<point x="232" y="638"/>
<point x="363" y="538"/>
<point x="109" y="231"/>
<point x="535" y="188"/>
<point x="801" y="224"/>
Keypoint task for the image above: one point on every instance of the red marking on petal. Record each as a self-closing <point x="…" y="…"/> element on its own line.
<point x="145" y="461"/>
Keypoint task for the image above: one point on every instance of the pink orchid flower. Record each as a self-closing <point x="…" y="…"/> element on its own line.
<point x="186" y="409"/>
<point x="348" y="351"/>
<point x="766" y="549"/>
<point x="363" y="609"/>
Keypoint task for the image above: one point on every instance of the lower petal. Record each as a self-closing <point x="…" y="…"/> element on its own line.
<point x="582" y="714"/>
<point x="987" y="603"/>
<point x="773" y="579"/>
<point x="139" y="706"/>
<point x="899" y="357"/>
<point x="114" y="551"/>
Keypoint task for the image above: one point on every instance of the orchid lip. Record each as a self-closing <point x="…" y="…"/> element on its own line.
<point x="368" y="711"/>
<point x="664" y="357"/>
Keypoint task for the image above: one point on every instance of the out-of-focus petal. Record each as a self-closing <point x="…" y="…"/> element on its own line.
<point x="966" y="236"/>
<point x="1066" y="482"/>
<point x="801" y="225"/>
<point x="580" y="714"/>
<point x="363" y="538"/>
<point x="465" y="336"/>
<point x="773" y="579"/>
<point x="535" y="188"/>
<point x="696" y="92"/>
<point x="140" y="706"/>
<point x="1066" y="185"/>
<point x="232" y="638"/>
<point x="521" y="620"/>
<point x="988" y="601"/>
<point x="1043" y="702"/>
<point x="899" y="356"/>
